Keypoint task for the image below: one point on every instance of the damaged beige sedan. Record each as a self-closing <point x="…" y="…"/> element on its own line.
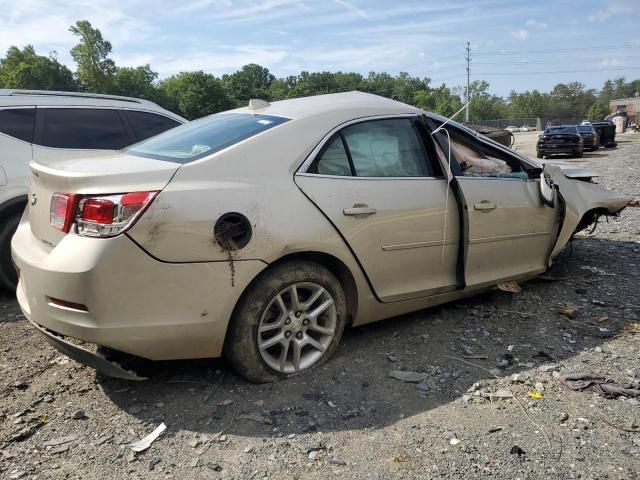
<point x="260" y="233"/>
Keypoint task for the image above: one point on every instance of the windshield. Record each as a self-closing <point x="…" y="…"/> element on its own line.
<point x="561" y="130"/>
<point x="585" y="129"/>
<point x="203" y="137"/>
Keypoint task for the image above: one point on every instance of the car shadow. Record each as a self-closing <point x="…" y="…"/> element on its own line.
<point x="353" y="390"/>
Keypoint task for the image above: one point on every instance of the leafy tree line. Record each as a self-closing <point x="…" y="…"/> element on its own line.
<point x="195" y="94"/>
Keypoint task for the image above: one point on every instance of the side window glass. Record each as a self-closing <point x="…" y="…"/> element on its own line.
<point x="479" y="160"/>
<point x="84" y="128"/>
<point x="18" y="123"/>
<point x="386" y="148"/>
<point x="333" y="159"/>
<point x="147" y="125"/>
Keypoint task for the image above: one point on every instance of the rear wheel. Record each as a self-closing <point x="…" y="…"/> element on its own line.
<point x="579" y="153"/>
<point x="539" y="154"/>
<point x="8" y="274"/>
<point x="290" y="320"/>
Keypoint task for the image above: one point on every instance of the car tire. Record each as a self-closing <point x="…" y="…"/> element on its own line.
<point x="539" y="155"/>
<point x="265" y="331"/>
<point x="579" y="154"/>
<point x="8" y="273"/>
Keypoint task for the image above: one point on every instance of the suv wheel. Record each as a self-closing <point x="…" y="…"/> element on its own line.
<point x="8" y="273"/>
<point x="290" y="320"/>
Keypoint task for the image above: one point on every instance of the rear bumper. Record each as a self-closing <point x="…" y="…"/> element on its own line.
<point x="85" y="356"/>
<point x="134" y="303"/>
<point x="558" y="148"/>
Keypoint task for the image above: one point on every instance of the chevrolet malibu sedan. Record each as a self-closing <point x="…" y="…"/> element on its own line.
<point x="260" y="233"/>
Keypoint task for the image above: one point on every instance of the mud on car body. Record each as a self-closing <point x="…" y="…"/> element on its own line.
<point x="260" y="233"/>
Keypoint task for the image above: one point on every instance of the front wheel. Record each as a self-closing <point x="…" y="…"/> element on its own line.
<point x="539" y="154"/>
<point x="290" y="320"/>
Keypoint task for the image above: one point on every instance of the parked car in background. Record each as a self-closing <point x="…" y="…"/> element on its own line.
<point x="589" y="137"/>
<point x="512" y="129"/>
<point x="606" y="131"/>
<point x="526" y="128"/>
<point x="50" y="125"/>
<point x="260" y="233"/>
<point x="564" y="139"/>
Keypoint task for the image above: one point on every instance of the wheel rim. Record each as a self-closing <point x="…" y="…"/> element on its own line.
<point x="297" y="327"/>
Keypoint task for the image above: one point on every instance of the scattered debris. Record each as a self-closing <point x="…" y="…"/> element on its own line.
<point x="510" y="286"/>
<point x="256" y="418"/>
<point x="516" y="450"/>
<point x="496" y="429"/>
<point x="570" y="312"/>
<point x="548" y="368"/>
<point x="33" y="424"/>
<point x="563" y="417"/>
<point x="146" y="442"/>
<point x="78" y="415"/>
<point x="60" y="441"/>
<point x="600" y="385"/>
<point x="535" y="394"/>
<point x="409" y="377"/>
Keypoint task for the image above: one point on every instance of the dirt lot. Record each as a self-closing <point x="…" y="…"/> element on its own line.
<point x="349" y="419"/>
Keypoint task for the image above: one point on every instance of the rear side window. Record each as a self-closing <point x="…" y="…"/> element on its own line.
<point x="18" y="123"/>
<point x="84" y="128"/>
<point x="147" y="125"/>
<point x="333" y="159"/>
<point x="203" y="137"/>
<point x="386" y="148"/>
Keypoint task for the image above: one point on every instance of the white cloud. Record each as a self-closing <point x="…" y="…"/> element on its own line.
<point x="615" y="7"/>
<point x="353" y="8"/>
<point x="520" y="34"/>
<point x="535" y="24"/>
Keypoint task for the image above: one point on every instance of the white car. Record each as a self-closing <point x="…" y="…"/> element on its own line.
<point x="47" y="126"/>
<point x="512" y="129"/>
<point x="260" y="233"/>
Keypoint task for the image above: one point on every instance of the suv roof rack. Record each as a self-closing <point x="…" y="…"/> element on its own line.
<point x="53" y="93"/>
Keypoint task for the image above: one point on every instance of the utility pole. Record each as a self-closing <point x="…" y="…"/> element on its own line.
<point x="468" y="59"/>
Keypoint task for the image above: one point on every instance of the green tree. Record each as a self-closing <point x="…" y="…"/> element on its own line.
<point x="194" y="94"/>
<point x="95" y="68"/>
<point x="26" y="69"/>
<point x="252" y="81"/>
<point x="135" y="82"/>
<point x="598" y="110"/>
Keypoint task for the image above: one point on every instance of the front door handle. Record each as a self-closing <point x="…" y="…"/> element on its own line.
<point x="485" y="205"/>
<point x="359" y="209"/>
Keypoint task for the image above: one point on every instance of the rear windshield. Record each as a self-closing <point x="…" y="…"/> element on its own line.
<point x="562" y="130"/>
<point x="585" y="129"/>
<point x="203" y="137"/>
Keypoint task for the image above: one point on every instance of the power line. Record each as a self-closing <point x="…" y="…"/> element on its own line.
<point x="559" y="50"/>
<point x="559" y="71"/>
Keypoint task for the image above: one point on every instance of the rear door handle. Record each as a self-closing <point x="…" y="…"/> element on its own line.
<point x="359" y="209"/>
<point x="485" y="205"/>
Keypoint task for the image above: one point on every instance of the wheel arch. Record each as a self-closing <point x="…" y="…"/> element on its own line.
<point x="332" y="263"/>
<point x="13" y="206"/>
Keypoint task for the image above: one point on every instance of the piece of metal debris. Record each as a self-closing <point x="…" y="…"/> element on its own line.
<point x="409" y="377"/>
<point x="146" y="442"/>
<point x="60" y="441"/>
<point x="510" y="286"/>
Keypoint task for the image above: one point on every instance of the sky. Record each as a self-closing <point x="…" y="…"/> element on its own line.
<point x="515" y="45"/>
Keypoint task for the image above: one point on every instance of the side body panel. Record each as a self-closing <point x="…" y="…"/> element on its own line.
<point x="511" y="231"/>
<point x="401" y="246"/>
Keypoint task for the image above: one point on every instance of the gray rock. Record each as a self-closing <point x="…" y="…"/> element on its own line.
<point x="78" y="415"/>
<point x="548" y="368"/>
<point x="563" y="417"/>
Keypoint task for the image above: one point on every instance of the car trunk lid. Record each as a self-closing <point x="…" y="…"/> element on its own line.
<point x="95" y="175"/>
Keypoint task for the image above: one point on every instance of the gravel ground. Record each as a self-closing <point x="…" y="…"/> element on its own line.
<point x="349" y="419"/>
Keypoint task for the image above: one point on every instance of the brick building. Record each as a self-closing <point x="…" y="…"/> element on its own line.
<point x="630" y="106"/>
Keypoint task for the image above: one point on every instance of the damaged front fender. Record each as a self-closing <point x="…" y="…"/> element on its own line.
<point x="580" y="197"/>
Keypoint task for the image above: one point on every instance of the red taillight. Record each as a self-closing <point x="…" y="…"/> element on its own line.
<point x="98" y="210"/>
<point x="62" y="210"/>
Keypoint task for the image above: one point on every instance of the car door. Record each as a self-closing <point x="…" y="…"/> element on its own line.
<point x="68" y="132"/>
<point x="378" y="183"/>
<point x="16" y="134"/>
<point x="147" y="124"/>
<point x="511" y="232"/>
